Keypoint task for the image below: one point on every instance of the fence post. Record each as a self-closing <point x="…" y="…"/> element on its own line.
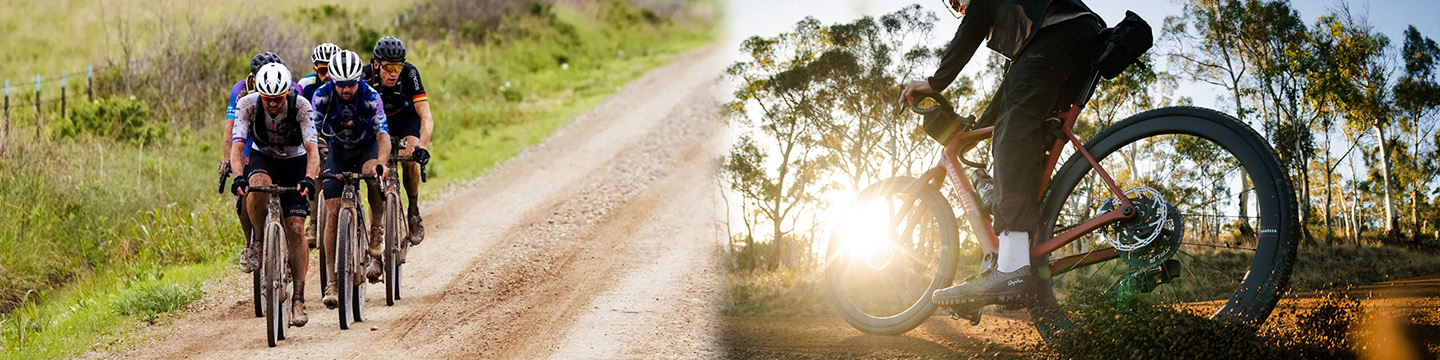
<point x="5" y="137"/>
<point x="90" y="83"/>
<point x="62" y="94"/>
<point x="37" y="107"/>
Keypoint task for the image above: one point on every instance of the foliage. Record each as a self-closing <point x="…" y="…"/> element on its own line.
<point x="122" y="119"/>
<point x="818" y="104"/>
<point x="97" y="219"/>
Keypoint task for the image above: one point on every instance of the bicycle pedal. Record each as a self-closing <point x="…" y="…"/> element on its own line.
<point x="971" y="314"/>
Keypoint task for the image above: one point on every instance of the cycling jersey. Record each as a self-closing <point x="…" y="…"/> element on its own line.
<point x="400" y="99"/>
<point x="282" y="136"/>
<point x="308" y="85"/>
<point x="349" y="125"/>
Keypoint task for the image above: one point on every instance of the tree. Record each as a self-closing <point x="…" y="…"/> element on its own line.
<point x="1417" y="96"/>
<point x="1364" y="96"/>
<point x="773" y="96"/>
<point x="1211" y="54"/>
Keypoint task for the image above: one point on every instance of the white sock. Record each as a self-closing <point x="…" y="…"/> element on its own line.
<point x="1014" y="251"/>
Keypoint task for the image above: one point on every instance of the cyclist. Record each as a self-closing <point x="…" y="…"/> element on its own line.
<point x="1046" y="41"/>
<point x="241" y="88"/>
<point x="320" y="56"/>
<point x="352" y="119"/>
<point x="279" y="127"/>
<point x="408" y="110"/>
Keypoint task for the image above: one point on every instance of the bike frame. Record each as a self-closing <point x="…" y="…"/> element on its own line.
<point x="951" y="168"/>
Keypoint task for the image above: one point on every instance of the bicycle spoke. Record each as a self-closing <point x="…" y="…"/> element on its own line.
<point x="1212" y="266"/>
<point x="1211" y="185"/>
<point x="1218" y="246"/>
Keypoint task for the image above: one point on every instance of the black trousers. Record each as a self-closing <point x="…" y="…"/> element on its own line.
<point x="1044" y="79"/>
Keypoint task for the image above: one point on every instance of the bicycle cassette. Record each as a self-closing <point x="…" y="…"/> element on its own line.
<point x="1149" y="238"/>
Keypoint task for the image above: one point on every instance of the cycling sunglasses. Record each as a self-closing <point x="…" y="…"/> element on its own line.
<point x="339" y="83"/>
<point x="322" y="68"/>
<point x="275" y="97"/>
<point x="394" y="68"/>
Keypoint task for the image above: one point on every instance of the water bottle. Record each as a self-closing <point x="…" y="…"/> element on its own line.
<point x="984" y="189"/>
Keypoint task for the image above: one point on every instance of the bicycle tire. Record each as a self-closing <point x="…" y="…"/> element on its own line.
<point x="257" y="298"/>
<point x="946" y="261"/>
<point x="362" y="256"/>
<point x="271" y="266"/>
<point x="1270" y="266"/>
<point x="344" y="264"/>
<point x="320" y="220"/>
<point x="391" y="264"/>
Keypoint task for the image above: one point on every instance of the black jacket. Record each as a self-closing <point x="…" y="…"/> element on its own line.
<point x="1007" y="24"/>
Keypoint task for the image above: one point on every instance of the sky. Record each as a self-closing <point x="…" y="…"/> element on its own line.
<point x="745" y="18"/>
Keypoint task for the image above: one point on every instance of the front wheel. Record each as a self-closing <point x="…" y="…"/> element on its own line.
<point x="881" y="274"/>
<point x="392" y="248"/>
<point x="274" y="264"/>
<point x="1215" y="234"/>
<point x="345" y="265"/>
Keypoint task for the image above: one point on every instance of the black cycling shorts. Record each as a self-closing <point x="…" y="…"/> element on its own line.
<point x="346" y="160"/>
<point x="283" y="172"/>
<point x="402" y="126"/>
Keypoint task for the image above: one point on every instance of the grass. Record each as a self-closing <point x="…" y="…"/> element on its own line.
<point x="102" y="234"/>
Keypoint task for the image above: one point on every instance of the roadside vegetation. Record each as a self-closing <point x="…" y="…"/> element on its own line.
<point x="816" y="122"/>
<point x="111" y="218"/>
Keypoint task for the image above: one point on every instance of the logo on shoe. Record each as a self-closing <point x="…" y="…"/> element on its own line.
<point x="1013" y="282"/>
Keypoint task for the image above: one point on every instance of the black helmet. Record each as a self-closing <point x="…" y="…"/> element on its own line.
<point x="263" y="58"/>
<point x="390" y="49"/>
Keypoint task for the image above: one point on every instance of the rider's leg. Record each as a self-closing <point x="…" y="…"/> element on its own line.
<point x="299" y="263"/>
<point x="412" y="194"/>
<point x="246" y="228"/>
<point x="377" y="208"/>
<point x="1028" y="94"/>
<point x="255" y="207"/>
<point x="332" y="190"/>
<point x="332" y="209"/>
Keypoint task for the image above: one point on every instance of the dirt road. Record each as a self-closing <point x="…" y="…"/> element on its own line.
<point x="597" y="243"/>
<point x="1391" y="320"/>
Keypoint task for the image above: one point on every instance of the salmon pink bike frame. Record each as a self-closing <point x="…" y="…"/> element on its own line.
<point x="1062" y="127"/>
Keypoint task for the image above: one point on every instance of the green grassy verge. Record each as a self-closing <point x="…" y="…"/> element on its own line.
<point x="101" y="234"/>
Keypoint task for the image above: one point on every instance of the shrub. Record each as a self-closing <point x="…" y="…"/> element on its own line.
<point x="122" y="119"/>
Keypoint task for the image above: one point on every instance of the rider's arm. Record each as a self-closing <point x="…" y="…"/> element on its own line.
<point x="235" y="93"/>
<point x="422" y="106"/>
<point x="305" y="114"/>
<point x="244" y="111"/>
<point x="974" y="28"/>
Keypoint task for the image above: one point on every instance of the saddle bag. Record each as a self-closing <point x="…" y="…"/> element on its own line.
<point x="1122" y="45"/>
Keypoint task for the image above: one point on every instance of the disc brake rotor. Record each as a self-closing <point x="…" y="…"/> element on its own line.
<point x="1152" y="236"/>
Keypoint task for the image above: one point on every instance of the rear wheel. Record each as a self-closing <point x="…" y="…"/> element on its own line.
<point x="881" y="276"/>
<point x="361" y="259"/>
<point x="1216" y="229"/>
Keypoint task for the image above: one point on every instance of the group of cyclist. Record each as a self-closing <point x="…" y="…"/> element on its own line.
<point x="347" y="116"/>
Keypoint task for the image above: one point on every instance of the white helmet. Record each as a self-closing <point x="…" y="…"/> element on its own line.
<point x="346" y="66"/>
<point x="272" y="80"/>
<point x="322" y="53"/>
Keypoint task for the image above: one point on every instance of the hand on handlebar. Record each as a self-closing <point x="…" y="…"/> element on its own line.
<point x="907" y="96"/>
<point x="239" y="186"/>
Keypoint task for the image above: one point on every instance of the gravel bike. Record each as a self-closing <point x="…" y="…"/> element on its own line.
<point x="276" y="279"/>
<point x="1102" y="242"/>
<point x="396" y="228"/>
<point x="351" y="240"/>
<point x="255" y="280"/>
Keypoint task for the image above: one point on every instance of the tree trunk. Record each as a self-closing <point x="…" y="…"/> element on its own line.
<point x="1385" y="176"/>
